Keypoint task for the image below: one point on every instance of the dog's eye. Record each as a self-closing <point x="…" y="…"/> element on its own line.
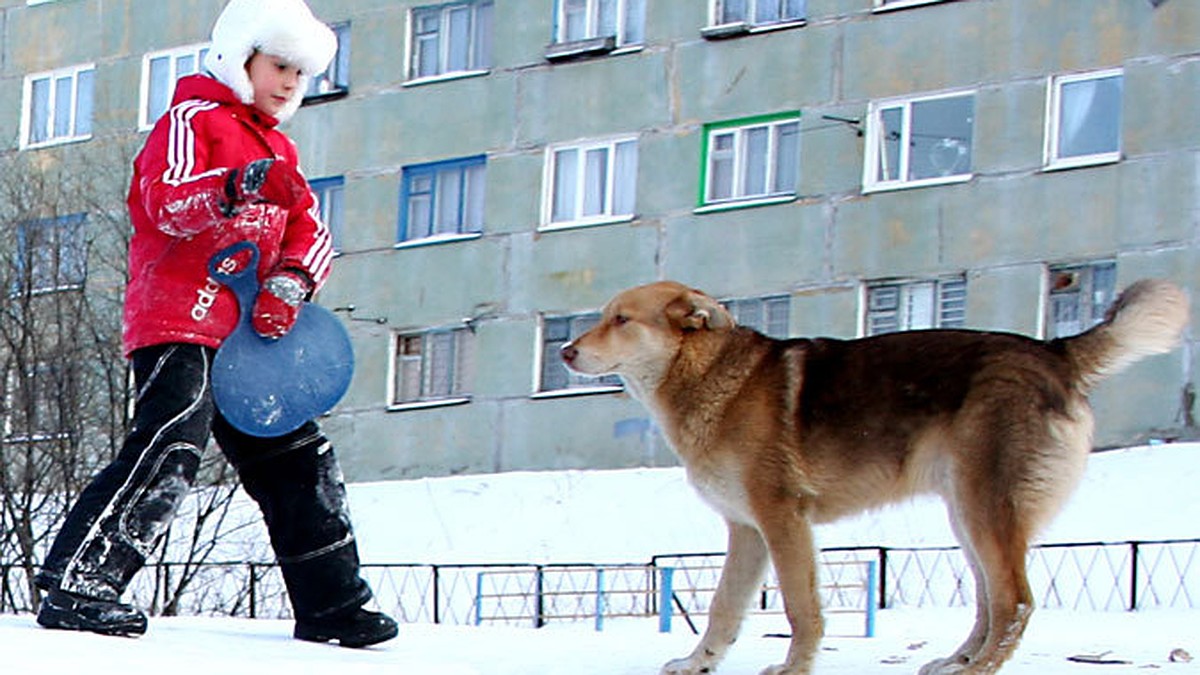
<point x="620" y="319"/>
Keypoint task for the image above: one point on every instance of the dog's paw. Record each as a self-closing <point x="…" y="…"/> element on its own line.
<point x="687" y="666"/>
<point x="786" y="669"/>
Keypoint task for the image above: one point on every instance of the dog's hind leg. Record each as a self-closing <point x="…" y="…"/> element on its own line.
<point x="966" y="652"/>
<point x="741" y="577"/>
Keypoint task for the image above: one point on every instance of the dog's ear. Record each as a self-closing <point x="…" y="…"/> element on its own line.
<point x="694" y="310"/>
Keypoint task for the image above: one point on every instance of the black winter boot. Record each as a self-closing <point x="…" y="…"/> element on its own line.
<point x="358" y="628"/>
<point x="68" y="611"/>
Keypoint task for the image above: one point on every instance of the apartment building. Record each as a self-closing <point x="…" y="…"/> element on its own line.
<point x="495" y="170"/>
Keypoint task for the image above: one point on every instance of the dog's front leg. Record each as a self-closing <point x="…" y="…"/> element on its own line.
<point x="789" y="538"/>
<point x="740" y="579"/>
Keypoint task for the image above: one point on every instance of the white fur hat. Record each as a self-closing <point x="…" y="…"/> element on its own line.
<point x="283" y="28"/>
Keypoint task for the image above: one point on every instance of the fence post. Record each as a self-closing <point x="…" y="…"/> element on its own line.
<point x="478" y="598"/>
<point x="665" y="591"/>
<point x="600" y="598"/>
<point x="539" y="601"/>
<point x="883" y="566"/>
<point x="253" y="592"/>
<point x="872" y="570"/>
<point x="437" y="594"/>
<point x="1133" y="574"/>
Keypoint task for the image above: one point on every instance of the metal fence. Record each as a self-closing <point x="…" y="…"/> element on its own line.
<point x="1091" y="576"/>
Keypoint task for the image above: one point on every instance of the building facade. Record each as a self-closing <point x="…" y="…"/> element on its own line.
<point x="495" y="170"/>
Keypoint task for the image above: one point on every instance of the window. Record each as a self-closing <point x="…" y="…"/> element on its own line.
<point x="912" y="305"/>
<point x="431" y="367"/>
<point x="160" y="71"/>
<point x="919" y="141"/>
<point x="590" y="183"/>
<point x="768" y="315"/>
<point x="53" y="254"/>
<point x="334" y="81"/>
<point x="1079" y="297"/>
<point x="756" y="13"/>
<point x="1083" y="119"/>
<point x="330" y="194"/>
<point x="452" y="38"/>
<point x="32" y="403"/>
<point x="58" y="106"/>
<point x="751" y="160"/>
<point x="442" y="199"/>
<point x="586" y="27"/>
<point x="554" y="375"/>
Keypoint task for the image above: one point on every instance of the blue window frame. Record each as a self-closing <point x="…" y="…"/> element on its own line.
<point x="442" y="199"/>
<point x="330" y="194"/>
<point x="334" y="81"/>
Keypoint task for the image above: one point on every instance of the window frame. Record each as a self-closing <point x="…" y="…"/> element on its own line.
<point x="27" y="104"/>
<point x="739" y="127"/>
<point x="577" y="385"/>
<point x="611" y="198"/>
<point x="943" y="286"/>
<point x="196" y="51"/>
<point x="478" y="63"/>
<point x="719" y="28"/>
<point x="459" y="376"/>
<point x="65" y="277"/>
<point x="435" y="170"/>
<point x="874" y="154"/>
<point x="332" y="212"/>
<point x="333" y="82"/>
<point x="1051" y="158"/>
<point x="594" y="43"/>
<point x="40" y="374"/>
<point x="761" y="305"/>
<point x="1085" y="293"/>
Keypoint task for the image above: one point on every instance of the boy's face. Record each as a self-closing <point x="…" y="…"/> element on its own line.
<point x="275" y="81"/>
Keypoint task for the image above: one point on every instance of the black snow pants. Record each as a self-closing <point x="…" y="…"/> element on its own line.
<point x="123" y="513"/>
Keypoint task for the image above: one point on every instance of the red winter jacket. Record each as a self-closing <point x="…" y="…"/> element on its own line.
<point x="175" y="204"/>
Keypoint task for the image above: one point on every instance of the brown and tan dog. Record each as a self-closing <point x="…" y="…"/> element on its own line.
<point x="777" y="435"/>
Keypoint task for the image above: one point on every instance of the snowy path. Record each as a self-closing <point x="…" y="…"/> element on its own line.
<point x="907" y="639"/>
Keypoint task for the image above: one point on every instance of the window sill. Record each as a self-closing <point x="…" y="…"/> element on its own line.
<point x="445" y="77"/>
<point x="597" y="46"/>
<point x="424" y="405"/>
<point x="732" y="205"/>
<point x="56" y="142"/>
<point x="727" y="31"/>
<point x="912" y="185"/>
<point x="1082" y="162"/>
<point x="577" y="391"/>
<point x="437" y="240"/>
<point x="317" y="99"/>
<point x="579" y="224"/>
<point x="904" y="4"/>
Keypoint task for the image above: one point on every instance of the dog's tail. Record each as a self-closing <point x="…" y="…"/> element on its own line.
<point x="1148" y="318"/>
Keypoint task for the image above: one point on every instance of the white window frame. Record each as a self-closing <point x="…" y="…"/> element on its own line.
<point x="56" y="252"/>
<point x="592" y="22"/>
<point x="546" y="353"/>
<point x="1051" y="157"/>
<point x="195" y="51"/>
<point x="762" y="313"/>
<point x="610" y="197"/>
<point x="717" y="7"/>
<point x="72" y="135"/>
<point x="875" y="154"/>
<point x="739" y="167"/>
<point x="889" y="5"/>
<point x="459" y="377"/>
<point x="479" y="45"/>
<point x="1077" y="283"/>
<point x="948" y="295"/>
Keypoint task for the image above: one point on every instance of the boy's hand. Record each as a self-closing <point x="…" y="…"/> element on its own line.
<point x="266" y="180"/>
<point x="278" y="304"/>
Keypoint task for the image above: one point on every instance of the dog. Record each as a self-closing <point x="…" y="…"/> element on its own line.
<point x="779" y="435"/>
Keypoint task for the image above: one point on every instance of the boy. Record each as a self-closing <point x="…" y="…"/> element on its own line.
<point x="215" y="171"/>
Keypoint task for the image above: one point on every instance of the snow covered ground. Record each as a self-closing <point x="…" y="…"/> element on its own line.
<point x="628" y="516"/>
